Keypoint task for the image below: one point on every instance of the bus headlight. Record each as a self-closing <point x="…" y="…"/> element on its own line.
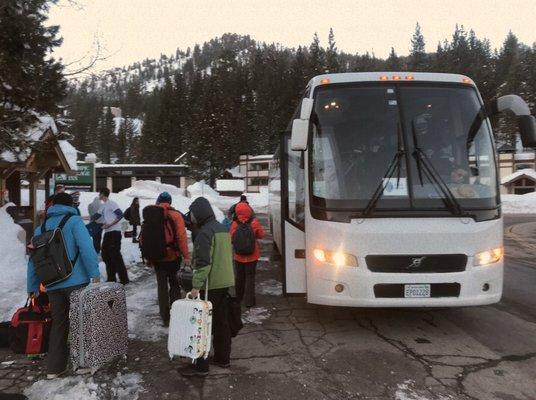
<point x="337" y="258"/>
<point x="489" y="257"/>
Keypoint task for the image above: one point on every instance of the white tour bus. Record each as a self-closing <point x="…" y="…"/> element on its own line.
<point x="384" y="191"/>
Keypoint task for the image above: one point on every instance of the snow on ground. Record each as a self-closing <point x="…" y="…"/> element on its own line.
<point x="123" y="387"/>
<point x="271" y="287"/>
<point x="407" y="391"/>
<point x="144" y="320"/>
<point x="255" y="315"/>
<point x="519" y="203"/>
<point x="12" y="266"/>
<point x="258" y="201"/>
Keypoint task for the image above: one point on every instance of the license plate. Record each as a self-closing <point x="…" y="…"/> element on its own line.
<point x="416" y="290"/>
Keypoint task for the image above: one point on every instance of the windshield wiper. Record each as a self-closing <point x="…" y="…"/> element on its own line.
<point x="433" y="176"/>
<point x="394" y="165"/>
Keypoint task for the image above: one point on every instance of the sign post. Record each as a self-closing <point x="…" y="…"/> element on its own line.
<point x="83" y="180"/>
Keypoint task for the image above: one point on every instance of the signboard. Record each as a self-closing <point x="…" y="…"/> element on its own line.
<point x="84" y="176"/>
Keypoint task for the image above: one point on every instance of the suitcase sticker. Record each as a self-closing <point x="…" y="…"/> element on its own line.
<point x="190" y="328"/>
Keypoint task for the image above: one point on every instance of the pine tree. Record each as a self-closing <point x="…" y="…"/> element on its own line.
<point x="106" y="135"/>
<point x="30" y="79"/>
<point x="418" y="59"/>
<point x="122" y="143"/>
<point x="317" y="63"/>
<point x="332" y="58"/>
<point x="393" y="62"/>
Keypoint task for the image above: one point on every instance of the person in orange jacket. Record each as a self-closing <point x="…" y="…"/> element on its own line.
<point x="245" y="232"/>
<point x="167" y="268"/>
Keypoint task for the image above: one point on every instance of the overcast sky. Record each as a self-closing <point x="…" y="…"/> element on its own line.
<point x="132" y="30"/>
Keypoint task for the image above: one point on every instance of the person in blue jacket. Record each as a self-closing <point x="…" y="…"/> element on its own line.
<point x="86" y="268"/>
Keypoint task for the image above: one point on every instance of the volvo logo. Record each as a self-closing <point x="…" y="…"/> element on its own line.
<point x="416" y="263"/>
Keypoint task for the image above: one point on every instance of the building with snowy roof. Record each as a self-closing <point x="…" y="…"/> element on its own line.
<point x="255" y="170"/>
<point x="44" y="154"/>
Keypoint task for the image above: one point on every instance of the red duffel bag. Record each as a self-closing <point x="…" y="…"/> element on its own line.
<point x="31" y="328"/>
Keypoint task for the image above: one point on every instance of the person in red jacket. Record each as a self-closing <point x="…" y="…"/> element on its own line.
<point x="246" y="264"/>
<point x="166" y="269"/>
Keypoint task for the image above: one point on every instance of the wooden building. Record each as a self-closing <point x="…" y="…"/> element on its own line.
<point x="44" y="156"/>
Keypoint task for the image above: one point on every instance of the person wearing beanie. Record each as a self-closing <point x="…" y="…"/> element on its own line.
<point x="167" y="268"/>
<point x="80" y="248"/>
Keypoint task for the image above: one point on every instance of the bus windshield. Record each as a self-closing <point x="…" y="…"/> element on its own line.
<point x="410" y="145"/>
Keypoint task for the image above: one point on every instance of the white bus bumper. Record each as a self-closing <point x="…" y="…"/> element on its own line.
<point x="358" y="287"/>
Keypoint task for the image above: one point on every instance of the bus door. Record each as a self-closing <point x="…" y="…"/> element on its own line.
<point x="293" y="221"/>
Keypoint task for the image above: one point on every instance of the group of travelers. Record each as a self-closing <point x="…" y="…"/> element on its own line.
<point x="223" y="258"/>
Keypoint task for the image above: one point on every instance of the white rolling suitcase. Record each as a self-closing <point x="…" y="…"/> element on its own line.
<point x="190" y="327"/>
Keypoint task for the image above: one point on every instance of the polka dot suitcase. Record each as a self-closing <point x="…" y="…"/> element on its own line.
<point x="98" y="322"/>
<point x="190" y="328"/>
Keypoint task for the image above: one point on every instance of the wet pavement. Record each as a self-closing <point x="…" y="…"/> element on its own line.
<point x="293" y="350"/>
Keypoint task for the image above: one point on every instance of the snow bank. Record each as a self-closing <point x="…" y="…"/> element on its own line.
<point x="230" y="185"/>
<point x="148" y="189"/>
<point x="12" y="266"/>
<point x="258" y="201"/>
<point x="199" y="189"/>
<point x="122" y="387"/>
<point x="147" y="192"/>
<point x="519" y="203"/>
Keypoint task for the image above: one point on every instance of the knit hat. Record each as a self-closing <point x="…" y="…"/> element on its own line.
<point x="63" y="198"/>
<point x="164" y="197"/>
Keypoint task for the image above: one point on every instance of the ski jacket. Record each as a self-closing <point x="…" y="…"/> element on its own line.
<point x="77" y="241"/>
<point x="213" y="251"/>
<point x="181" y="238"/>
<point x="243" y="214"/>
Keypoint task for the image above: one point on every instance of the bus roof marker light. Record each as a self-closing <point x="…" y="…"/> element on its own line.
<point x="384" y="78"/>
<point x="324" y="81"/>
<point x="396" y="77"/>
<point x="467" y="81"/>
<point x="410" y="78"/>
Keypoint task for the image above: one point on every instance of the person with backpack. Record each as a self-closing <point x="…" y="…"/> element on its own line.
<point x="85" y="268"/>
<point x="245" y="232"/>
<point x="132" y="215"/>
<point x="110" y="215"/>
<point x="163" y="243"/>
<point x="232" y="210"/>
<point x="213" y="261"/>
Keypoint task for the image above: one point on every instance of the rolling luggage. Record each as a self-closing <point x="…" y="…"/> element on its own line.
<point x="190" y="328"/>
<point x="30" y="329"/>
<point x="98" y="322"/>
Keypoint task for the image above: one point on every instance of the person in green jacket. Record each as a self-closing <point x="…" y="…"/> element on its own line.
<point x="212" y="260"/>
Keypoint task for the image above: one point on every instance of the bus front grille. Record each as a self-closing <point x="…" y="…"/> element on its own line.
<point x="428" y="263"/>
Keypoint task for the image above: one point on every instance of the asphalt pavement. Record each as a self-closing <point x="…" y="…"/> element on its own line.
<point x="293" y="350"/>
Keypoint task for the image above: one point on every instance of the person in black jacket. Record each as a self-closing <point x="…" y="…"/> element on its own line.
<point x="132" y="215"/>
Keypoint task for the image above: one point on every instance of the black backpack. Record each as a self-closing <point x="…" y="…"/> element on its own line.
<point x="244" y="238"/>
<point x="157" y="233"/>
<point x="49" y="255"/>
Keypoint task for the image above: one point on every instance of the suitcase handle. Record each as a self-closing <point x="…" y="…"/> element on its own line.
<point x="189" y="296"/>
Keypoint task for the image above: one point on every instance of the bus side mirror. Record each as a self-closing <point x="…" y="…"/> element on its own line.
<point x="300" y="132"/>
<point x="525" y="121"/>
